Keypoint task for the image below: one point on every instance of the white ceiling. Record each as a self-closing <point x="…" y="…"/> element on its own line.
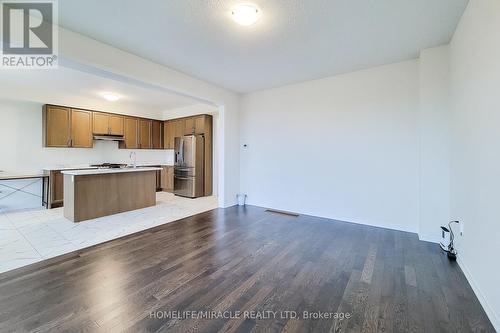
<point x="80" y="89"/>
<point x="295" y="40"/>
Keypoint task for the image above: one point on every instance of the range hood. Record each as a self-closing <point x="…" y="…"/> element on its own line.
<point x="109" y="137"/>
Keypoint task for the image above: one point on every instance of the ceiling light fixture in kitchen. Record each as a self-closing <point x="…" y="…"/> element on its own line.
<point x="110" y="97"/>
<point x="245" y="14"/>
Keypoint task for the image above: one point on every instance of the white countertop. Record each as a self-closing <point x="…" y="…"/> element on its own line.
<point x="10" y="175"/>
<point x="86" y="166"/>
<point x="68" y="167"/>
<point x="105" y="171"/>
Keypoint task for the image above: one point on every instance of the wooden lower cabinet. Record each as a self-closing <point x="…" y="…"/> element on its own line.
<point x="164" y="182"/>
<point x="167" y="178"/>
<point x="56" y="189"/>
<point x="91" y="196"/>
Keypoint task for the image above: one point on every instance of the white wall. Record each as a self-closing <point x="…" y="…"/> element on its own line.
<point x="475" y="150"/>
<point x="190" y="110"/>
<point x="434" y="124"/>
<point x="344" y="147"/>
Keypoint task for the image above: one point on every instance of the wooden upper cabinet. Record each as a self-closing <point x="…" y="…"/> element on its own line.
<point x="145" y="133"/>
<point x="57" y="126"/>
<point x="194" y="125"/>
<point x="199" y="124"/>
<point x="157" y="134"/>
<point x="179" y="127"/>
<point x="168" y="134"/>
<point x="66" y="127"/>
<point x="189" y="126"/>
<point x="108" y="124"/>
<point x="116" y="124"/>
<point x="131" y="133"/>
<point x="173" y="128"/>
<point x="101" y="123"/>
<point x="81" y="129"/>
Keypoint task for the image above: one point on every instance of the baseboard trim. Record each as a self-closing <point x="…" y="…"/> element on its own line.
<point x="344" y="220"/>
<point x="495" y="320"/>
<point x="431" y="239"/>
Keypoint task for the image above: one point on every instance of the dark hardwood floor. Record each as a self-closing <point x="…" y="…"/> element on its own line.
<point x="245" y="259"/>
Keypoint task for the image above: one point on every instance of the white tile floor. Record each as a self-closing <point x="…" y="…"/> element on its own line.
<point x="30" y="236"/>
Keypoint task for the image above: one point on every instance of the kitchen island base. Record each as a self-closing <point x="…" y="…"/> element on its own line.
<point x="91" y="195"/>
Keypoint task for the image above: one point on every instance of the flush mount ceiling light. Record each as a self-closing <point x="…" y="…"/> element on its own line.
<point x="245" y="14"/>
<point x="110" y="97"/>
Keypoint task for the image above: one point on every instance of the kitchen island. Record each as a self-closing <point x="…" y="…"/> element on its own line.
<point x="95" y="193"/>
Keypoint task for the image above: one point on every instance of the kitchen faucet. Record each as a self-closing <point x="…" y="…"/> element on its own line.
<point x="133" y="158"/>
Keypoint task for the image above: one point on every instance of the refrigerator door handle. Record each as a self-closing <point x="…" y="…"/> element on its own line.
<point x="181" y="151"/>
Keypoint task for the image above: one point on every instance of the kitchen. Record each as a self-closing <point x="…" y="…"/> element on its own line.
<point x="66" y="127"/>
<point x="85" y="138"/>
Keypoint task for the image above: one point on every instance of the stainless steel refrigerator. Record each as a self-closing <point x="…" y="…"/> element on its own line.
<point x="189" y="166"/>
